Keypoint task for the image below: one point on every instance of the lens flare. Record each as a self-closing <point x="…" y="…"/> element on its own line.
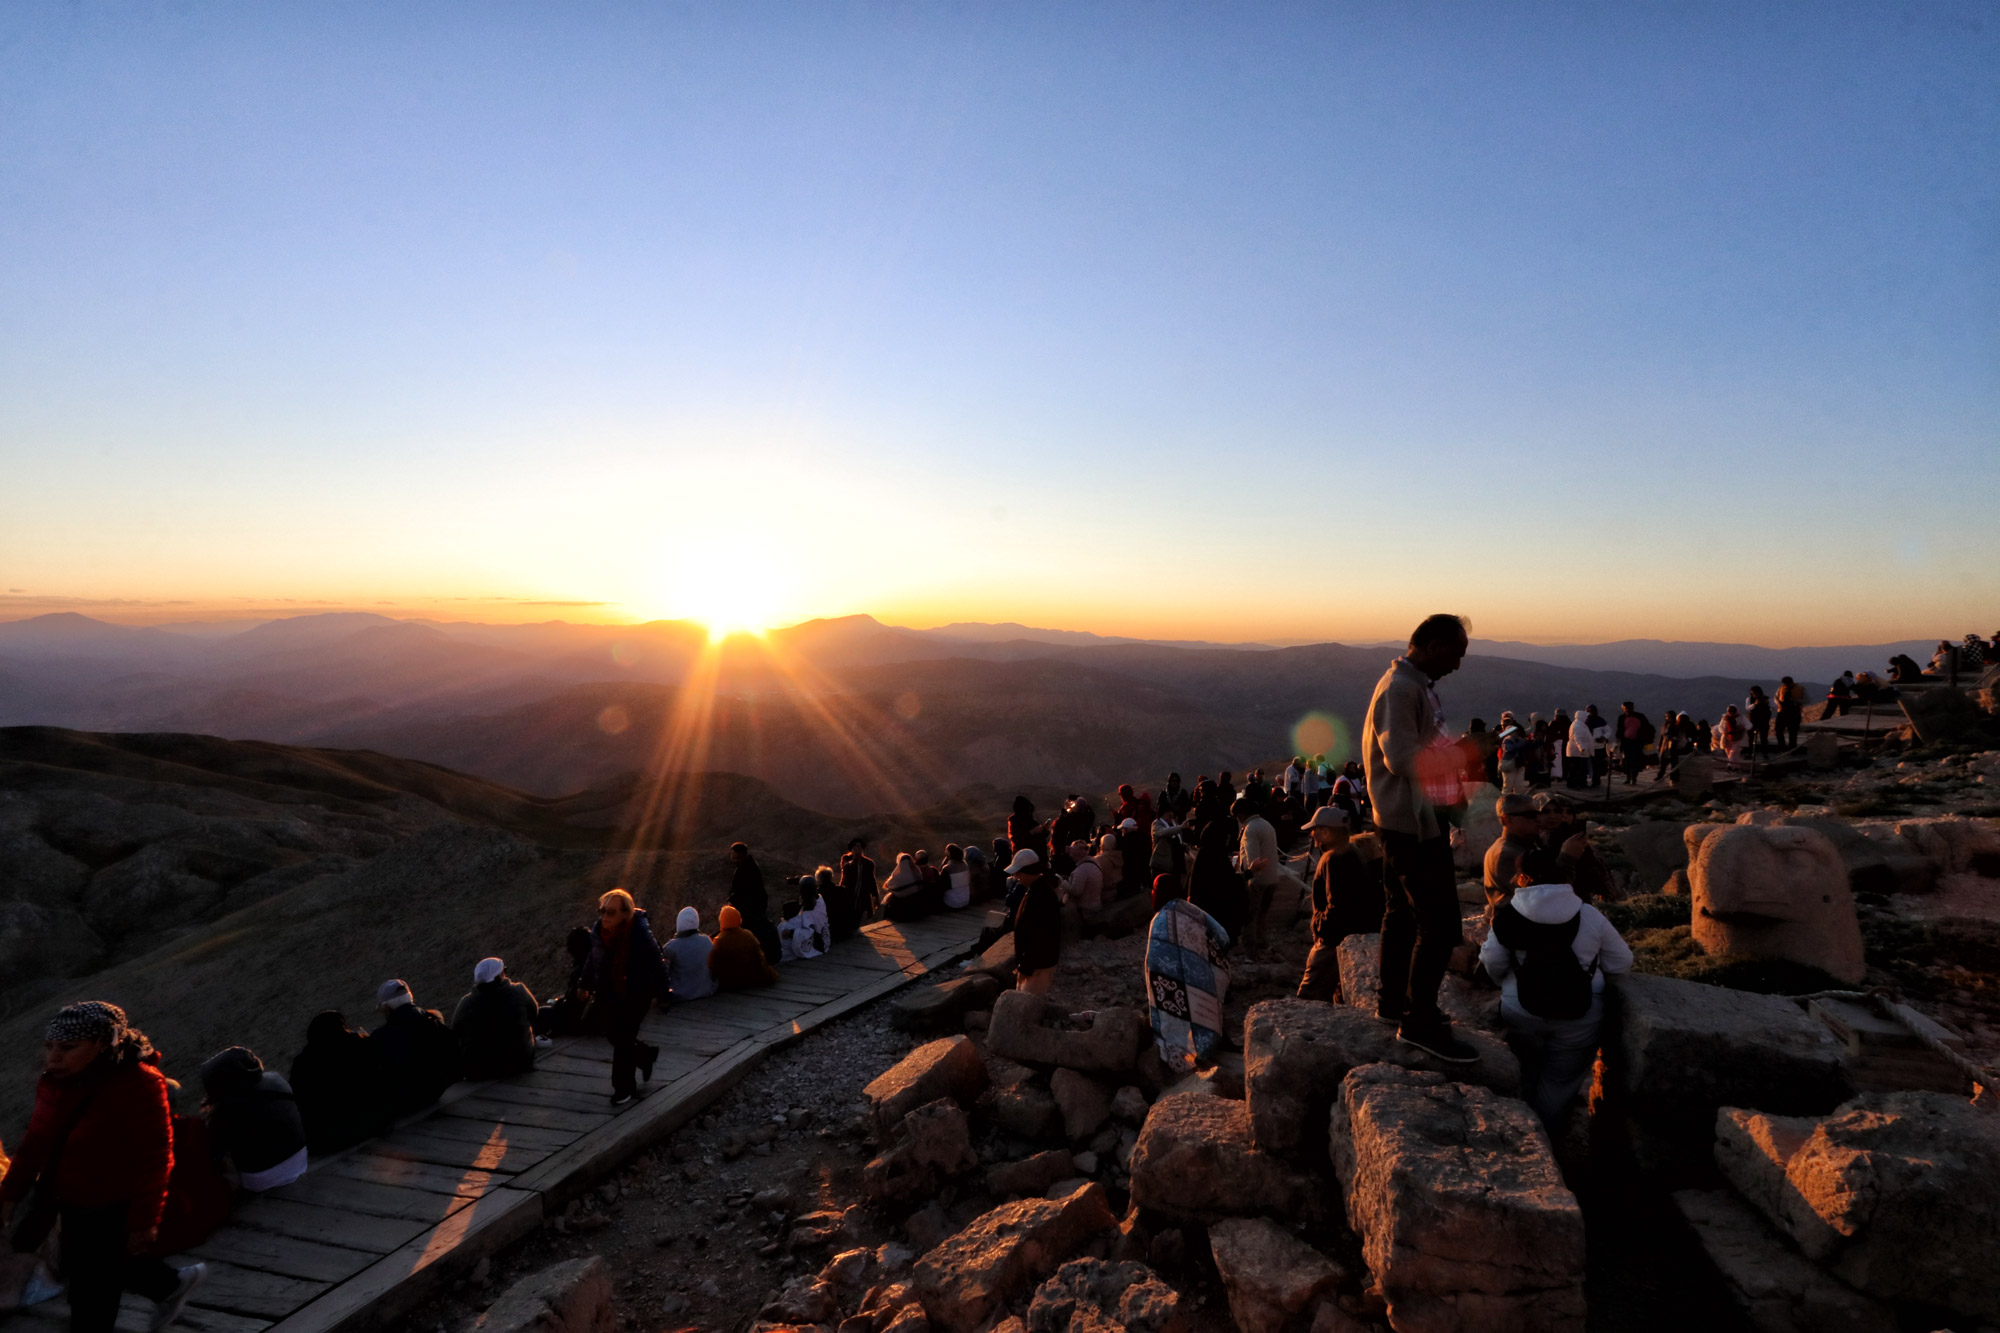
<point x="1320" y="733"/>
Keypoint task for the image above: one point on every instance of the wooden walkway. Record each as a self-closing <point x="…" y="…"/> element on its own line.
<point x="370" y="1232"/>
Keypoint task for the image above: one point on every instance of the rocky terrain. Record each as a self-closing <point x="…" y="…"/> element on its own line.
<point x="1744" y="1160"/>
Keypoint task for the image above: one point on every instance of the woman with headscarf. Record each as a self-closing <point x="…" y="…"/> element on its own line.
<point x="255" y="1131"/>
<point x="98" y="1153"/>
<point x="1037" y="923"/>
<point x="626" y="974"/>
<point x="341" y="1085"/>
<point x="737" y="961"/>
<point x="686" y="955"/>
<point x="1186" y="977"/>
<point x="904" y="892"/>
<point x="1213" y="884"/>
<point x="955" y="878"/>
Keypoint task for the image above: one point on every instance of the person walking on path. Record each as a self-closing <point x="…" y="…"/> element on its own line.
<point x="1037" y="923"/>
<point x="1402" y="742"/>
<point x="1187" y="978"/>
<point x="98" y="1154"/>
<point x="1550" y="952"/>
<point x="626" y="974"/>
<point x="1791" y="702"/>
<point x="1346" y="900"/>
<point x="747" y="896"/>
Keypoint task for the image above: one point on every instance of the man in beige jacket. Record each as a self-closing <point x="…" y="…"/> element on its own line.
<point x="1403" y="745"/>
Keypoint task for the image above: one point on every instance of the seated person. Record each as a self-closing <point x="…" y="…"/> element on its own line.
<point x="1903" y="667"/>
<point x="567" y="1015"/>
<point x="1082" y="894"/>
<point x="686" y="955"/>
<point x="955" y="878"/>
<point x="905" y="895"/>
<point x="495" y="1023"/>
<point x="1520" y="832"/>
<point x="341" y="1085"/>
<point x="419" y="1052"/>
<point x="1550" y="952"/>
<point x="737" y="961"/>
<point x="1346" y="900"/>
<point x="795" y="935"/>
<point x="818" y="925"/>
<point x="254" y="1128"/>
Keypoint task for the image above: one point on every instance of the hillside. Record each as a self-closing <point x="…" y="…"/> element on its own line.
<point x="225" y="891"/>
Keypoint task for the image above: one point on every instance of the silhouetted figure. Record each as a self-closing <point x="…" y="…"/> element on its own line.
<point x="848" y="901"/>
<point x="624" y="976"/>
<point x="747" y="896"/>
<point x="419" y="1053"/>
<point x="341" y="1083"/>
<point x="495" y="1023"/>
<point x="737" y="961"/>
<point x="255" y="1130"/>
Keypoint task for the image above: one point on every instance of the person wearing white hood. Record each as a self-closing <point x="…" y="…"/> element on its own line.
<point x="1550" y="951"/>
<point x="688" y="977"/>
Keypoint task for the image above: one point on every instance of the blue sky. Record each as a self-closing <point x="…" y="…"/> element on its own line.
<point x="1271" y="321"/>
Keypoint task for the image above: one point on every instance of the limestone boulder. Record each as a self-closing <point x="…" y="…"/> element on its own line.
<point x="1897" y="1193"/>
<point x="1694" y="778"/>
<point x="1096" y="1296"/>
<point x="1656" y="850"/>
<point x="1954" y="844"/>
<point x="1360" y="958"/>
<point x="1031" y="1175"/>
<point x="942" y="1008"/>
<point x="971" y="1275"/>
<point x="1674" y="1051"/>
<point x="1296" y="1052"/>
<point x="1877" y="860"/>
<point x="1776" y="893"/>
<point x="1085" y="1103"/>
<point x="997" y="961"/>
<point x="1030" y="1030"/>
<point x="1196" y="1160"/>
<point x="949" y="1067"/>
<point x="932" y="1144"/>
<point x="1271" y="1275"/>
<point x="1463" y="1215"/>
<point x="1776" y="1289"/>
<point x="570" y="1297"/>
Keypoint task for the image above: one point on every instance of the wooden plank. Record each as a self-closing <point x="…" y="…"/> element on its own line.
<point x="539" y="1117"/>
<point x="576" y="1065"/>
<point x="390" y="1288"/>
<point x="500" y="1156"/>
<point x="484" y="1131"/>
<point x="271" y="1253"/>
<point x="245" y="1291"/>
<point x="371" y="1198"/>
<point x="594" y="1081"/>
<point x="388" y="1168"/>
<point x="331" y="1226"/>
<point x="515" y="1091"/>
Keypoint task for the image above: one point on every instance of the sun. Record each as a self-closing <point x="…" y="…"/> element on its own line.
<point x="733" y="591"/>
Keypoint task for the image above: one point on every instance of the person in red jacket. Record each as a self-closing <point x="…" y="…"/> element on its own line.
<point x="102" y="1135"/>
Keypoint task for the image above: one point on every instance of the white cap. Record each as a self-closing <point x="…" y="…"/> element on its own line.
<point x="393" y="993"/>
<point x="1327" y="816"/>
<point x="1128" y="823"/>
<point x="487" y="969"/>
<point x="1025" y="859"/>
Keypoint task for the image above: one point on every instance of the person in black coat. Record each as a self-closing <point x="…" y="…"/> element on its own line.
<point x="254" y="1126"/>
<point x="625" y="974"/>
<point x="419" y="1051"/>
<point x="341" y="1083"/>
<point x="1213" y="884"/>
<point x="1037" y="923"/>
<point x="495" y="1023"/>
<point x="747" y="896"/>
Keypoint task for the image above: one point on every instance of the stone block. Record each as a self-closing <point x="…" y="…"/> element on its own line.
<point x="949" y="1067"/>
<point x="971" y="1276"/>
<point x="1129" y="1104"/>
<point x="1776" y="1290"/>
<point x="1296" y="1052"/>
<point x="942" y="1008"/>
<point x="1674" y="1051"/>
<point x="1196" y="1160"/>
<point x="1776" y="893"/>
<point x="1694" y="778"/>
<point x="1030" y="1175"/>
<point x="933" y="1143"/>
<point x="1028" y="1029"/>
<point x="1271" y="1275"/>
<point x="1656" y="851"/>
<point x="1085" y="1103"/>
<point x="1898" y="1193"/>
<point x="1096" y="1296"/>
<point x="1020" y="1101"/>
<point x="1884" y="1055"/>
<point x="1822" y="749"/>
<point x="1463" y="1215"/>
<point x="570" y="1297"/>
<point x="1360" y="959"/>
<point x="997" y="961"/>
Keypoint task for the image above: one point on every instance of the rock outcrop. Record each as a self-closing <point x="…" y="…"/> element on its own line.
<point x="1897" y="1193"/>
<point x="1196" y="1160"/>
<point x="1776" y="893"/>
<point x="1462" y="1213"/>
<point x="932" y="1144"/>
<point x="1271" y="1276"/>
<point x="1030" y="1030"/>
<point x="569" y="1297"/>
<point x="1093" y="1296"/>
<point x="949" y="1067"/>
<point x="969" y="1276"/>
<point x="942" y="1008"/>
<point x="1777" y="1290"/>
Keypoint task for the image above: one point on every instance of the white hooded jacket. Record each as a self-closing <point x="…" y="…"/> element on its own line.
<point x="1597" y="940"/>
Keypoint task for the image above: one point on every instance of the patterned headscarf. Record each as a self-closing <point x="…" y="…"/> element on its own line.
<point x="89" y="1020"/>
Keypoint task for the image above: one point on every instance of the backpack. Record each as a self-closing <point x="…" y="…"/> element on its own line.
<point x="1548" y="981"/>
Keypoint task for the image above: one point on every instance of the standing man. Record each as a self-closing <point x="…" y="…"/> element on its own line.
<point x="1401" y="743"/>
<point x="1635" y="733"/>
<point x="1258" y="859"/>
<point x="747" y="896"/>
<point x="1791" y="702"/>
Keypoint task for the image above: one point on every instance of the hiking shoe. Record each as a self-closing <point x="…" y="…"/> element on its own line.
<point x="1438" y="1041"/>
<point x="169" y="1309"/>
<point x="622" y="1098"/>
